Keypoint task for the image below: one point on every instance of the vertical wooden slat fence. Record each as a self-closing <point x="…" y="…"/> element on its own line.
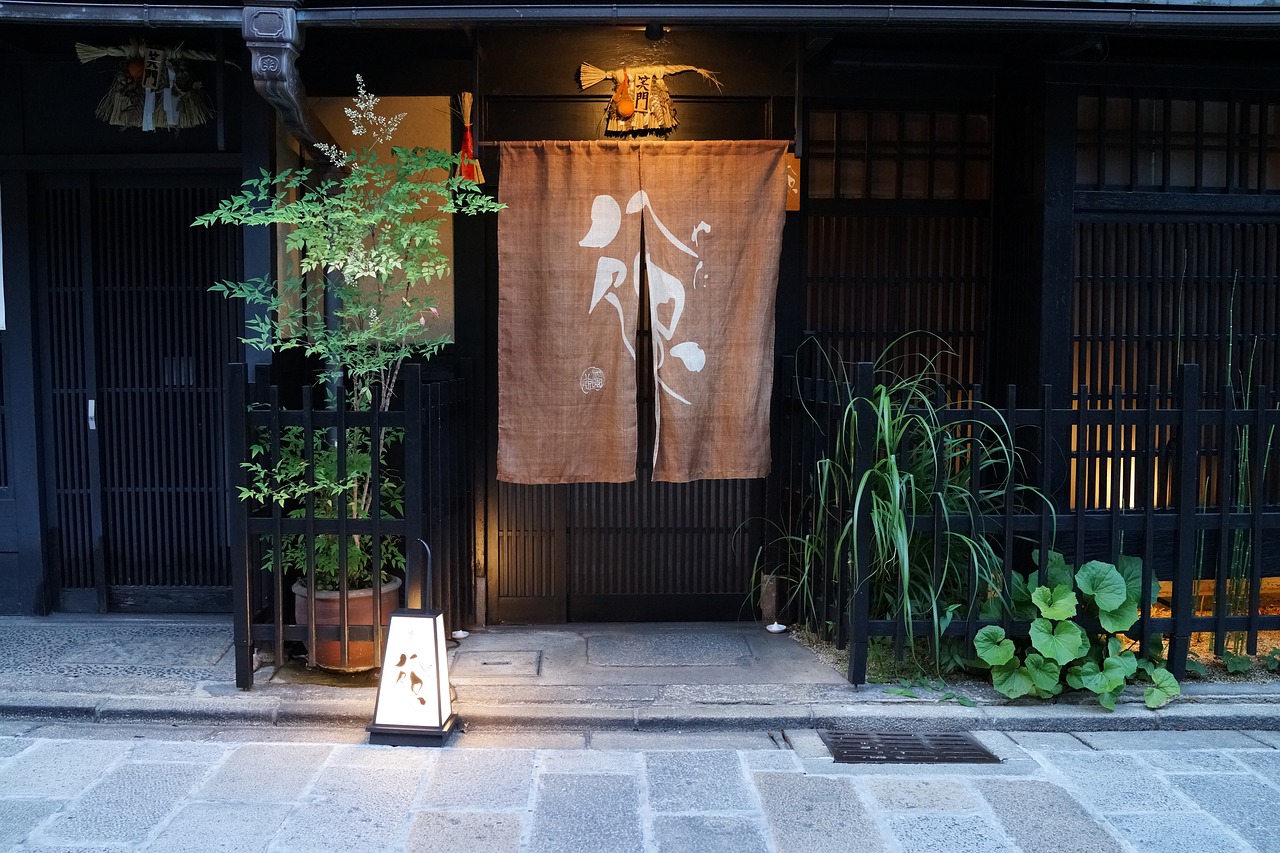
<point x="1177" y="507"/>
<point x="433" y="458"/>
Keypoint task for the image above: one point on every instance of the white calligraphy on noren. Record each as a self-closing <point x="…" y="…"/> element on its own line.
<point x="667" y="290"/>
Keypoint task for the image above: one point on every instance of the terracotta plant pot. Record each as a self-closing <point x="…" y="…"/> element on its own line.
<point x="360" y="655"/>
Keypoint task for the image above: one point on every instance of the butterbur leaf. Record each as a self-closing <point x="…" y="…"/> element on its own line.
<point x="1020" y="588"/>
<point x="1108" y="699"/>
<point x="1236" y="663"/>
<point x="1130" y="568"/>
<point x="1129" y="661"/>
<point x="1101" y="582"/>
<point x="1120" y="619"/>
<point x="1044" y="673"/>
<point x="1062" y="642"/>
<point x="1163" y="688"/>
<point x="1195" y="667"/>
<point x="1056" y="603"/>
<point x="1104" y="679"/>
<point x="1011" y="679"/>
<point x="992" y="647"/>
<point x="1059" y="573"/>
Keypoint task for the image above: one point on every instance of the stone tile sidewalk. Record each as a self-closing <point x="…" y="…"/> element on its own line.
<point x="673" y="676"/>
<point x="127" y="788"/>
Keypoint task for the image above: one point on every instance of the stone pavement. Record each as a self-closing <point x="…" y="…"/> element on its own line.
<point x="120" y="787"/>
<point x="128" y="733"/>
<point x="656" y="677"/>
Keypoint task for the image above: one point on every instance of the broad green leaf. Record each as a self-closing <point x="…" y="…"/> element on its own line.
<point x="992" y="647"/>
<point x="1101" y="582"/>
<point x="1130" y="568"/>
<point x="1011" y="679"/>
<point x="1047" y="694"/>
<point x="1044" y="674"/>
<point x="1272" y="660"/>
<point x="1061" y="642"/>
<point x="1195" y="667"/>
<point x="1236" y="663"/>
<point x="1164" y="687"/>
<point x="1056" y="603"/>
<point x="1120" y="619"/>
<point x="1020" y="587"/>
<point x="1059" y="573"/>
<point x="1129" y="661"/>
<point x="1100" y="680"/>
<point x="1108" y="699"/>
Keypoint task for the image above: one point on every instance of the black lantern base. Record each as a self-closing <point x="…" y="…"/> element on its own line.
<point x="411" y="735"/>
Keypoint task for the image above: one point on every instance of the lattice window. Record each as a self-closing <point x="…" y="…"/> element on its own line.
<point x="884" y="154"/>
<point x="1154" y="292"/>
<point x="899" y="235"/>
<point x="1164" y="141"/>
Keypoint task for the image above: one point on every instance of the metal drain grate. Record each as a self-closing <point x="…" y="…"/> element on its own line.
<point x="905" y="748"/>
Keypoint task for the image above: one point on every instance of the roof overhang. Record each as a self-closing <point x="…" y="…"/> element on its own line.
<point x="1152" y="15"/>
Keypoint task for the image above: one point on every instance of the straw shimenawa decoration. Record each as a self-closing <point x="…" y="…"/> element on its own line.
<point x="468" y="165"/>
<point x="640" y="99"/>
<point x="153" y="88"/>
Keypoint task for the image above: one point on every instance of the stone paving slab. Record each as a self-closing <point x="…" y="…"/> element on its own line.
<point x="151" y="789"/>
<point x="708" y="677"/>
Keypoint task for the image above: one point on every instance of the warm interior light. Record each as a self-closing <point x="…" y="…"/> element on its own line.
<point x="414" y="707"/>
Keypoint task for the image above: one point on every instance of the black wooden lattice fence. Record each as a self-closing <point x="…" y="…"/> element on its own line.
<point x="1147" y="480"/>
<point x="435" y="457"/>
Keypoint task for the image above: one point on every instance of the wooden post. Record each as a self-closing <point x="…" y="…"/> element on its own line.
<point x="234" y="408"/>
<point x="1188" y="473"/>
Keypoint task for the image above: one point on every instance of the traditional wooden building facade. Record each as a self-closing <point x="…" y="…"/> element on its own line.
<point x="1038" y="184"/>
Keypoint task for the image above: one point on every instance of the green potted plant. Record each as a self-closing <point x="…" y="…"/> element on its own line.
<point x="365" y="235"/>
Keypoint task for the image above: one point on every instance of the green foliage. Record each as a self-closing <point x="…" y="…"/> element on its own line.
<point x="992" y="647"/>
<point x="305" y="474"/>
<point x="1195" y="666"/>
<point x="1058" y="648"/>
<point x="368" y="239"/>
<point x="928" y="453"/>
<point x="1164" y="687"/>
<point x="1103" y="583"/>
<point x="1271" y="660"/>
<point x="911" y="688"/>
<point x="1057" y="602"/>
<point x="1060" y="641"/>
<point x="1236" y="663"/>
<point x="366" y="233"/>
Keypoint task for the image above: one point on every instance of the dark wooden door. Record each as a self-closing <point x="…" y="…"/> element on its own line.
<point x="133" y="351"/>
<point x="628" y="552"/>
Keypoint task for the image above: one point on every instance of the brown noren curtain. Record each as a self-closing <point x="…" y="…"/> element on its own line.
<point x="702" y="223"/>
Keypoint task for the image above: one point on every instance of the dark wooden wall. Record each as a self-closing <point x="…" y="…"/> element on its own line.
<point x="49" y="132"/>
